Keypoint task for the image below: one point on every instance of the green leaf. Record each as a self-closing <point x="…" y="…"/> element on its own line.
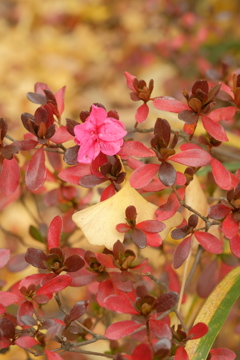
<point x="214" y="313"/>
<point x="34" y="232"/>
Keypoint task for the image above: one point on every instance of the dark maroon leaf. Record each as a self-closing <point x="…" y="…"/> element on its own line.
<point x="71" y="154"/>
<point x="188" y="116"/>
<point x="40" y="115"/>
<point x="37" y="98"/>
<point x="163" y="129"/>
<point x="9" y="150"/>
<point x="74" y="263"/>
<point x="50" y="97"/>
<point x="213" y="93"/>
<point x="200" y="85"/>
<point x="26" y="144"/>
<point x="28" y="320"/>
<point x="3" y="128"/>
<point x="193" y="221"/>
<point x="139" y="238"/>
<point x="166" y="301"/>
<point x="36" y="258"/>
<point x="28" y="122"/>
<point x="162" y="348"/>
<point x="90" y="181"/>
<point x="131" y="213"/>
<point x="50" y="131"/>
<point x="78" y="310"/>
<point x="181" y="252"/>
<point x="35" y="174"/>
<point x="167" y="174"/>
<point x="70" y="124"/>
<point x="7" y="328"/>
<point x="179" y="233"/>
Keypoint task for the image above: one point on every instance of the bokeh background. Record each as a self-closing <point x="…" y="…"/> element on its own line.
<point x="88" y="44"/>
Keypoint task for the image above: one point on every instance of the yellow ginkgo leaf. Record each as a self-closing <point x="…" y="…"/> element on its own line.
<point x="98" y="222"/>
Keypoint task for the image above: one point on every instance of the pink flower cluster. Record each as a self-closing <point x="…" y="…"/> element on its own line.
<point x="98" y="133"/>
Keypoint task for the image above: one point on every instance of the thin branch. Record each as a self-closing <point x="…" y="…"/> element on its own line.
<point x="179" y="316"/>
<point x="194" y="266"/>
<point x="157" y="281"/>
<point x="10" y="233"/>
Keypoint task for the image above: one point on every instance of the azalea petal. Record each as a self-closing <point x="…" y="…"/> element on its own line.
<point x="88" y="151"/>
<point x="110" y="147"/>
<point x="112" y="130"/>
<point x="97" y="115"/>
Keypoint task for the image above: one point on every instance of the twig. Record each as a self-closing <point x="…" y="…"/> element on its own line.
<point x="194" y="266"/>
<point x="10" y="233"/>
<point x="179" y="316"/>
<point x="157" y="281"/>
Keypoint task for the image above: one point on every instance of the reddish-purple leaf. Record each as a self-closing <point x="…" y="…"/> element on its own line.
<point x="9" y="177"/>
<point x="152" y="226"/>
<point x="143" y="175"/>
<point x="53" y="355"/>
<point x="73" y="174"/>
<point x="209" y="242"/>
<point x="142" y="113"/>
<point x="7" y="298"/>
<point x="56" y="284"/>
<point x="181" y="354"/>
<point x="218" y="211"/>
<point x="74" y="263"/>
<point x="181" y="252"/>
<point x="54" y="233"/>
<point x="198" y="331"/>
<point x="221" y="175"/>
<point x="90" y="181"/>
<point x="166" y="103"/>
<point x="7" y="328"/>
<point x="235" y="245"/>
<point x="166" y="301"/>
<point x="36" y="173"/>
<point x="78" y="310"/>
<point x="36" y="258"/>
<point x="120" y="303"/>
<point x="142" y="352"/>
<point x="192" y="157"/>
<point x="188" y="116"/>
<point x="139" y="238"/>
<point x="159" y="329"/>
<point x="26" y="342"/>
<point x="59" y="96"/>
<point x="105" y="260"/>
<point x="214" y="129"/>
<point x="25" y="309"/>
<point x="4" y="257"/>
<point x="120" y="329"/>
<point x="167" y="174"/>
<point x="135" y="148"/>
<point x="222" y="354"/>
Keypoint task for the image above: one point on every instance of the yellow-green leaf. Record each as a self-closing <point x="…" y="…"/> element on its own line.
<point x="214" y="313"/>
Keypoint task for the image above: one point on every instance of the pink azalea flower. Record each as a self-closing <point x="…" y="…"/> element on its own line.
<point x="98" y="133"/>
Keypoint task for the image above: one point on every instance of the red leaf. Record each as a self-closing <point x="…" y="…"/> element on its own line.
<point x="153" y="240"/>
<point x="192" y="157"/>
<point x="229" y="226"/>
<point x="4" y="257"/>
<point x="129" y="79"/>
<point x="56" y="284"/>
<point x="209" y="242"/>
<point x="142" y="113"/>
<point x="61" y="135"/>
<point x="36" y="171"/>
<point x="53" y="355"/>
<point x="142" y="352"/>
<point x="54" y="233"/>
<point x="152" y="226"/>
<point x="181" y="252"/>
<point x="26" y="342"/>
<point x="9" y="177"/>
<point x="7" y="298"/>
<point x="221" y="175"/>
<point x="214" y="129"/>
<point x="159" y="329"/>
<point x="135" y="148"/>
<point x="59" y="96"/>
<point x="166" y="103"/>
<point x="235" y="245"/>
<point x="143" y="175"/>
<point x="108" y="192"/>
<point x="222" y="354"/>
<point x="78" y="310"/>
<point x="73" y="174"/>
<point x="167" y="210"/>
<point x="226" y="113"/>
<point x="105" y="260"/>
<point x="181" y="354"/>
<point x="198" y="331"/>
<point x="120" y="303"/>
<point x="120" y="329"/>
<point x="26" y="308"/>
